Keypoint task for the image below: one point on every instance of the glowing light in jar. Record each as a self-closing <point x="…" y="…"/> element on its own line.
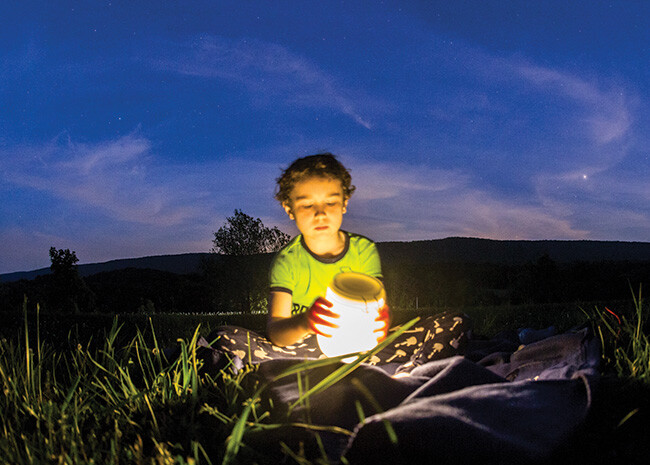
<point x="357" y="298"/>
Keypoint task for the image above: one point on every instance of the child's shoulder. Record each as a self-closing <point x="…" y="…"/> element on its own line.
<point x="359" y="237"/>
<point x="287" y="254"/>
<point x="292" y="245"/>
<point x="360" y="241"/>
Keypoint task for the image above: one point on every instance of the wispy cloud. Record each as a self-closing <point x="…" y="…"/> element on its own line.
<point x="593" y="189"/>
<point x="382" y="180"/>
<point x="111" y="176"/>
<point x="565" y="140"/>
<point x="607" y="112"/>
<point x="404" y="202"/>
<point x="479" y="213"/>
<point x="119" y="199"/>
<point x="125" y="180"/>
<point x="264" y="69"/>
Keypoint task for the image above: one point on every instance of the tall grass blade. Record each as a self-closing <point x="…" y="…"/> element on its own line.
<point x="71" y="392"/>
<point x="28" y="359"/>
<point x="234" y="441"/>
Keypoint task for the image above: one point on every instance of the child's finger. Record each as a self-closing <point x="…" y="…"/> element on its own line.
<point x="315" y="318"/>
<point x="385" y="315"/>
<point x="382" y="323"/>
<point x="317" y="329"/>
<point x="318" y="317"/>
<point x="320" y="327"/>
<point x="323" y="301"/>
<point x="325" y="312"/>
<point x="379" y="326"/>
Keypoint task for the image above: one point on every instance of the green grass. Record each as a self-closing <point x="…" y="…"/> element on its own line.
<point x="616" y="430"/>
<point x="129" y="404"/>
<point x="110" y="405"/>
<point x="120" y="400"/>
<point x="626" y="340"/>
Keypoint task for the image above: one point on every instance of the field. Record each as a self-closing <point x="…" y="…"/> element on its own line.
<point x="99" y="389"/>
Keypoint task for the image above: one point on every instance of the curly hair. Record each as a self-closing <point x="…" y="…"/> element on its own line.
<point x="324" y="165"/>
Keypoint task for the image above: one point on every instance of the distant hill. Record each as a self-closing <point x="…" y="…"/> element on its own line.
<point x="470" y="250"/>
<point x="180" y="264"/>
<point x="453" y="249"/>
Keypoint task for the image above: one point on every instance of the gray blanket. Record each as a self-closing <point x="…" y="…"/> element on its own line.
<point x="506" y="407"/>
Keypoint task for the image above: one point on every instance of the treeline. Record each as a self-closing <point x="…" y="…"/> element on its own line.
<point x="223" y="284"/>
<point x="488" y="284"/>
<point x="239" y="284"/>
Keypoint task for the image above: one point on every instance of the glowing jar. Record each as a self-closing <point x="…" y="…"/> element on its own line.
<point x="357" y="298"/>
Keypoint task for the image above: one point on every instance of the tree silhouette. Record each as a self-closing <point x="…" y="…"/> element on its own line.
<point x="64" y="262"/>
<point x="245" y="235"/>
<point x="68" y="291"/>
<point x="238" y="276"/>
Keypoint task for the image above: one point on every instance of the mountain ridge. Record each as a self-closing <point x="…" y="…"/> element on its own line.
<point x="451" y="249"/>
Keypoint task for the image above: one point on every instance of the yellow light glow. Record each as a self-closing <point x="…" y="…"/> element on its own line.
<point x="357" y="298"/>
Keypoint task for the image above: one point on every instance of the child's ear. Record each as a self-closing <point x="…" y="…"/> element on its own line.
<point x="287" y="208"/>
<point x="345" y="206"/>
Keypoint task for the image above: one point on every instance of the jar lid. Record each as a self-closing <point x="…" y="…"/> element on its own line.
<point x="358" y="286"/>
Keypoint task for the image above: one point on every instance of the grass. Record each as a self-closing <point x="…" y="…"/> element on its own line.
<point x="627" y="340"/>
<point x="110" y="405"/>
<point x="616" y="431"/>
<point x="127" y="403"/>
<point x="121" y="400"/>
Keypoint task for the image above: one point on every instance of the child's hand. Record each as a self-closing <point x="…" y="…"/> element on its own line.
<point x="384" y="319"/>
<point x="315" y="316"/>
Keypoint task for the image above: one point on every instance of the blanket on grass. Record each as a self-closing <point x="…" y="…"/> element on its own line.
<point x="492" y="405"/>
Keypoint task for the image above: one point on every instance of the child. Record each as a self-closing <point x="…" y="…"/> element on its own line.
<point x="314" y="191"/>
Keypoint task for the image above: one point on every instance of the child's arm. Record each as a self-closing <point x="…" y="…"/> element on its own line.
<point x="283" y="329"/>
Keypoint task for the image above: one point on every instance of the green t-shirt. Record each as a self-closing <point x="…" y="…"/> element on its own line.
<point x="299" y="272"/>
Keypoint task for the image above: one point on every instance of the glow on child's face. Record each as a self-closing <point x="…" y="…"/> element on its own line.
<point x="317" y="205"/>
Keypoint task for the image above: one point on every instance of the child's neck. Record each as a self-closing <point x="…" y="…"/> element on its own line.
<point x="327" y="247"/>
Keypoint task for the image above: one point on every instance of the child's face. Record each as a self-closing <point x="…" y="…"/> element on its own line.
<point x="317" y="206"/>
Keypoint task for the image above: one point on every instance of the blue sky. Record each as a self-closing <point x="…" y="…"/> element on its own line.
<point x="135" y="128"/>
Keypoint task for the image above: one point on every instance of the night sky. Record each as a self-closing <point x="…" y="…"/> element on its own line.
<point x="134" y="128"/>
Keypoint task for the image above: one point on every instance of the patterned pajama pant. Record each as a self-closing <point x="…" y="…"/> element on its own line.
<point x="432" y="338"/>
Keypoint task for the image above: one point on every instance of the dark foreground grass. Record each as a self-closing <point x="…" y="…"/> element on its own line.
<point x="617" y="428"/>
<point x="120" y="400"/>
<point x="63" y="331"/>
<point x="130" y="404"/>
